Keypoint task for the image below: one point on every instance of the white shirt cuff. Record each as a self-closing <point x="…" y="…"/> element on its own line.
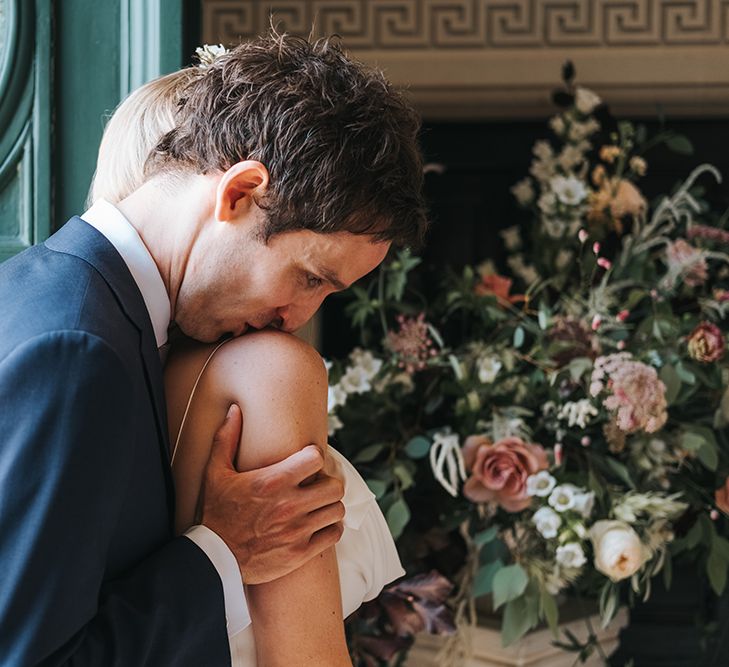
<point x="236" y="607"/>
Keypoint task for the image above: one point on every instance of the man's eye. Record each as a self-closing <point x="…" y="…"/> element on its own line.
<point x="313" y="281"/>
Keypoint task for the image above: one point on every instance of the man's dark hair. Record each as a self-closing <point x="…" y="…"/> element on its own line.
<point x="340" y="144"/>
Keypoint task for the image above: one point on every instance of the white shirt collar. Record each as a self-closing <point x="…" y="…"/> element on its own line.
<point x="110" y="222"/>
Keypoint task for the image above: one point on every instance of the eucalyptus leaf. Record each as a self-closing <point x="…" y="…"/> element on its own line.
<point x="516" y="621"/>
<point x="368" y="453"/>
<point x="377" y="486"/>
<point x="484" y="580"/>
<point x="509" y="583"/>
<point x="404" y="475"/>
<point x="485" y="536"/>
<point x="670" y="377"/>
<point x="417" y="447"/>
<point x="398" y="517"/>
<point x="549" y="611"/>
<point x="716" y="569"/>
<point x="518" y="337"/>
<point x="680" y="144"/>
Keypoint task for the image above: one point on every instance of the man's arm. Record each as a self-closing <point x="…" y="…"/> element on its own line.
<point x="65" y="465"/>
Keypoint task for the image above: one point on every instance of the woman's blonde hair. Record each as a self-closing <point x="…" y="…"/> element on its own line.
<point x="133" y="131"/>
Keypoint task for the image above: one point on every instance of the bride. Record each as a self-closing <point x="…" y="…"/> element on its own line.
<point x="280" y="384"/>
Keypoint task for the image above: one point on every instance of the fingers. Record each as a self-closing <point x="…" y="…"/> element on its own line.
<point x="325" y="516"/>
<point x="324" y="539"/>
<point x="226" y="439"/>
<point x="300" y="465"/>
<point x="320" y="493"/>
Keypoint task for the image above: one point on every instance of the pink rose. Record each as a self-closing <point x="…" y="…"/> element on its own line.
<point x="499" y="470"/>
<point x="721" y="497"/>
<point x="706" y="343"/>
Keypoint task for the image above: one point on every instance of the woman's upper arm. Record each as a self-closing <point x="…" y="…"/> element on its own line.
<point x="280" y="384"/>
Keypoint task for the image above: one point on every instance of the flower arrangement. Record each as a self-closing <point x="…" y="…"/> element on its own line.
<point x="567" y="439"/>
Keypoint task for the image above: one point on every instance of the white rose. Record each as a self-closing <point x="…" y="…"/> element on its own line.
<point x="563" y="497"/>
<point x="541" y="484"/>
<point x="619" y="551"/>
<point x="586" y="100"/>
<point x="488" y="369"/>
<point x="547" y="522"/>
<point x="571" y="555"/>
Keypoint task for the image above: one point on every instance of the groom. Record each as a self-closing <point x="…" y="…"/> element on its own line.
<point x="289" y="173"/>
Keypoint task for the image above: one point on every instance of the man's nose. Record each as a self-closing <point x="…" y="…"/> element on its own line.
<point x="293" y="317"/>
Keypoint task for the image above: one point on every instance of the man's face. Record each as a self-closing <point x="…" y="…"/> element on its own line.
<point x="234" y="282"/>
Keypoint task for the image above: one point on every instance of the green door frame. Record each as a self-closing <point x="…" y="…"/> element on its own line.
<point x="103" y="50"/>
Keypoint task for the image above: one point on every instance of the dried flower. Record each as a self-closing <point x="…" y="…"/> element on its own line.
<point x="610" y="153"/>
<point x="688" y="262"/>
<point x="616" y="199"/>
<point x="411" y="343"/>
<point x="637" y="395"/>
<point x="585" y="100"/>
<point x="709" y="233"/>
<point x="523" y="192"/>
<point x="638" y="165"/>
<point x="706" y="343"/>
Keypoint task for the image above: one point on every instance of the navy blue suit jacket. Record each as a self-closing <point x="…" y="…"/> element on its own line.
<point x="90" y="571"/>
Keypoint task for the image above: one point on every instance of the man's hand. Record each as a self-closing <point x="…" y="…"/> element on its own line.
<point x="270" y="521"/>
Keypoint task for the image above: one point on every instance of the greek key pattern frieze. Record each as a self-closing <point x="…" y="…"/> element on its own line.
<point x="474" y="24"/>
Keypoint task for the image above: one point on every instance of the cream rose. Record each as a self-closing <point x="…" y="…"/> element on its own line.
<point x="619" y="551"/>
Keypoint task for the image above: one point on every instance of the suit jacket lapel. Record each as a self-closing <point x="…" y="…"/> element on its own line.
<point x="78" y="238"/>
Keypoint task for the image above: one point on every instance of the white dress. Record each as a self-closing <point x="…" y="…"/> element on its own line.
<point x="366" y="553"/>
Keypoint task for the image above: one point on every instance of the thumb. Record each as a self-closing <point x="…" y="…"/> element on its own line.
<point x="226" y="439"/>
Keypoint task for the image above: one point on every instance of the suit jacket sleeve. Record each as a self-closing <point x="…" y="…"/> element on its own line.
<point x="65" y="422"/>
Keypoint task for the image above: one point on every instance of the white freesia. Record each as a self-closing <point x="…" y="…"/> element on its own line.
<point x="336" y="397"/>
<point x="523" y="191"/>
<point x="547" y="522"/>
<point x="584" y="502"/>
<point x="356" y="380"/>
<point x="569" y="189"/>
<point x="562" y="497"/>
<point x="570" y="555"/>
<point x="334" y="424"/>
<point x="366" y="361"/>
<point x="207" y="53"/>
<point x="586" y="100"/>
<point x="541" y="484"/>
<point x="619" y="551"/>
<point x="488" y="369"/>
<point x="543" y="150"/>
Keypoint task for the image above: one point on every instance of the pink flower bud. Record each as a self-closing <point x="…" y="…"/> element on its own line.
<point x="623" y="315"/>
<point x="582" y="235"/>
<point x="604" y="262"/>
<point x="621" y="345"/>
<point x="596" y="322"/>
<point x="714" y="515"/>
<point x="596" y="248"/>
<point x="654" y="294"/>
<point x="585" y="442"/>
<point x="558" y="454"/>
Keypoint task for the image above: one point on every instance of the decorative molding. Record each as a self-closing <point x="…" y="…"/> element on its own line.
<point x="458" y="24"/>
<point x="16" y="197"/>
<point x="501" y="58"/>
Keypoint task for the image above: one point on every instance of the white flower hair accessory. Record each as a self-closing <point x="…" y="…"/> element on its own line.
<point x="208" y="53"/>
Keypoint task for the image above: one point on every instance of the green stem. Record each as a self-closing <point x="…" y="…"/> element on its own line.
<point x="381" y="299"/>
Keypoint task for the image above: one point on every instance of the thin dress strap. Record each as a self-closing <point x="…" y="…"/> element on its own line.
<point x="192" y="395"/>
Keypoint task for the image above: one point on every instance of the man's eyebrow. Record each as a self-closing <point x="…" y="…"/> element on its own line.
<point x="332" y="278"/>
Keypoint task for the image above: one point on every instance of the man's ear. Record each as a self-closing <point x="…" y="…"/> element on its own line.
<point x="236" y="187"/>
